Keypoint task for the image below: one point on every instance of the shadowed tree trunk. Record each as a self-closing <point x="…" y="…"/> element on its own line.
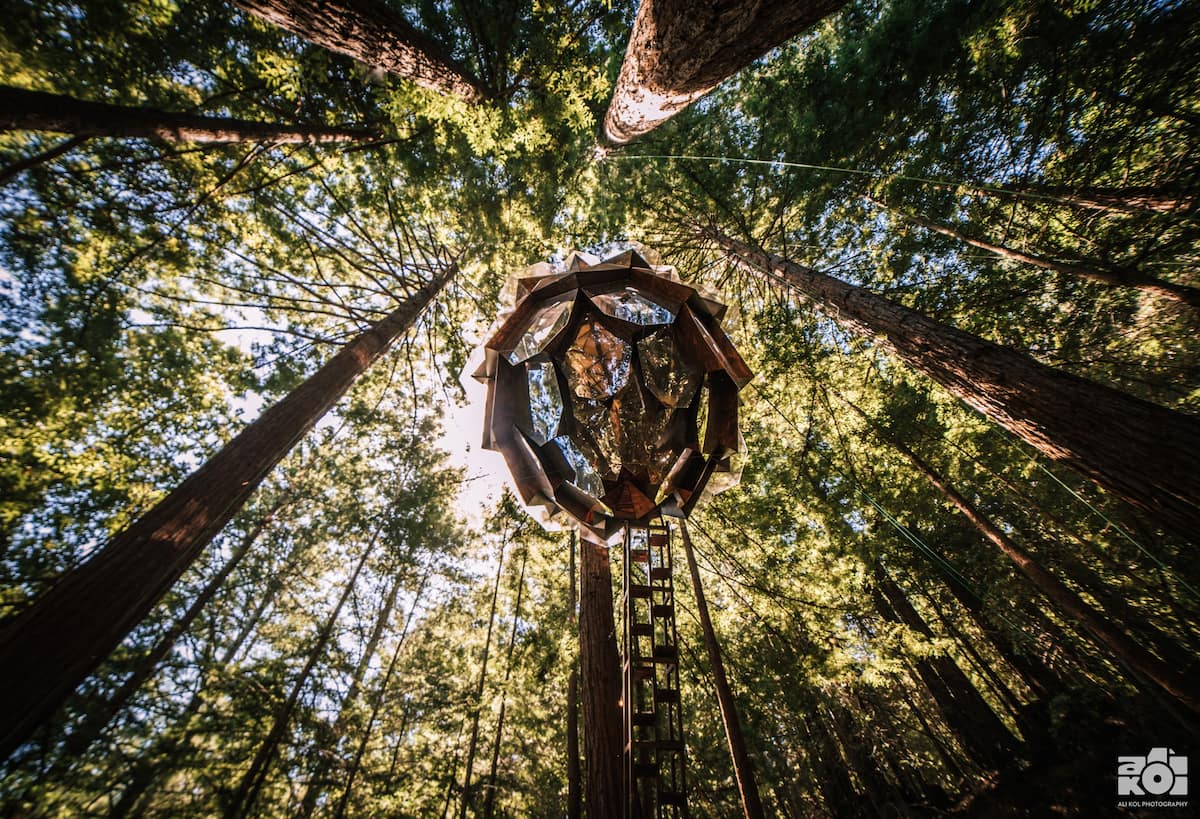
<point x="1096" y="624"/>
<point x="1132" y="199"/>
<point x="1113" y="277"/>
<point x="1146" y="454"/>
<point x="373" y="33"/>
<point x="22" y="110"/>
<point x="98" y="720"/>
<point x="244" y="797"/>
<point x="742" y="768"/>
<point x="603" y="736"/>
<point x="49" y="648"/>
<point x="679" y="51"/>
<point x="574" y="793"/>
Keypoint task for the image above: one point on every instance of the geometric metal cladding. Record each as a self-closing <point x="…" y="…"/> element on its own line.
<point x="613" y="394"/>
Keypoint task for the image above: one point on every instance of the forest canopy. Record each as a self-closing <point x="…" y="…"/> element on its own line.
<point x="247" y="249"/>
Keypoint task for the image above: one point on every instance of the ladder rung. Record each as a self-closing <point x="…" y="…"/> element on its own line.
<point x="665" y="652"/>
<point x="671" y="798"/>
<point x="639" y="555"/>
<point x="662" y="610"/>
<point x="643" y="672"/>
<point x="641" y="629"/>
<point x="658" y="539"/>
<point x="660" y="573"/>
<point x="669" y="744"/>
<point x="645" y="769"/>
<point x="640" y="591"/>
<point x="666" y="694"/>
<point x="642" y="717"/>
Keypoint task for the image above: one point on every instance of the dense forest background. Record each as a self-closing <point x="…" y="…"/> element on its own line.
<point x="354" y="642"/>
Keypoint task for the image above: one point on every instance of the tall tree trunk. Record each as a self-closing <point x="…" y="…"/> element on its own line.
<point x="329" y="736"/>
<point x="679" y="51"/>
<point x="1096" y="624"/>
<point x="574" y="792"/>
<point x="22" y="110"/>
<point x="477" y="703"/>
<point x="1141" y="452"/>
<point x="1132" y="199"/>
<point x="51" y="647"/>
<point x="1113" y="277"/>
<point x="742" y="768"/>
<point x="962" y="706"/>
<point x="373" y="33"/>
<point x="246" y="795"/>
<point x="489" y="801"/>
<point x="379" y="699"/>
<point x="98" y="720"/>
<point x="603" y="736"/>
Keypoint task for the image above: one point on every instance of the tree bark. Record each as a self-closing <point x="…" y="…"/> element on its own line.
<point x="1146" y="454"/>
<point x="742" y="768"/>
<point x="1132" y="199"/>
<point x="81" y="738"/>
<point x="251" y="783"/>
<point x="603" y="736"/>
<point x="51" y="647"/>
<point x="373" y="33"/>
<point x="22" y="110"/>
<point x="1112" y="277"/>
<point x="574" y="793"/>
<point x="477" y="704"/>
<point x="1097" y="625"/>
<point x="679" y="51"/>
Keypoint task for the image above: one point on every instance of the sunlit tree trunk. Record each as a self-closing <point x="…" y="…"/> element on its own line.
<point x="679" y="51"/>
<point x="375" y="34"/>
<point x="1146" y="454"/>
<point x="50" y="647"/>
<point x="22" y="110"/>
<point x="489" y="801"/>
<point x="601" y="674"/>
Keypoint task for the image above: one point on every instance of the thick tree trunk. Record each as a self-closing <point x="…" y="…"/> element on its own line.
<point x="98" y="720"/>
<point x="489" y="801"/>
<point x="477" y="703"/>
<point x="1094" y="623"/>
<point x="1141" y="452"/>
<point x="679" y="51"/>
<point x="1112" y="277"/>
<point x="242" y="803"/>
<point x="601" y="672"/>
<point x="373" y="33"/>
<point x="22" y="110"/>
<point x="743" y="770"/>
<point x="574" y="791"/>
<point x="49" y="648"/>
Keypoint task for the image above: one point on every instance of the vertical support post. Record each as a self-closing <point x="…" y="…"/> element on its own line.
<point x="742" y="768"/>
<point x="600" y="672"/>
<point x="574" y="796"/>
